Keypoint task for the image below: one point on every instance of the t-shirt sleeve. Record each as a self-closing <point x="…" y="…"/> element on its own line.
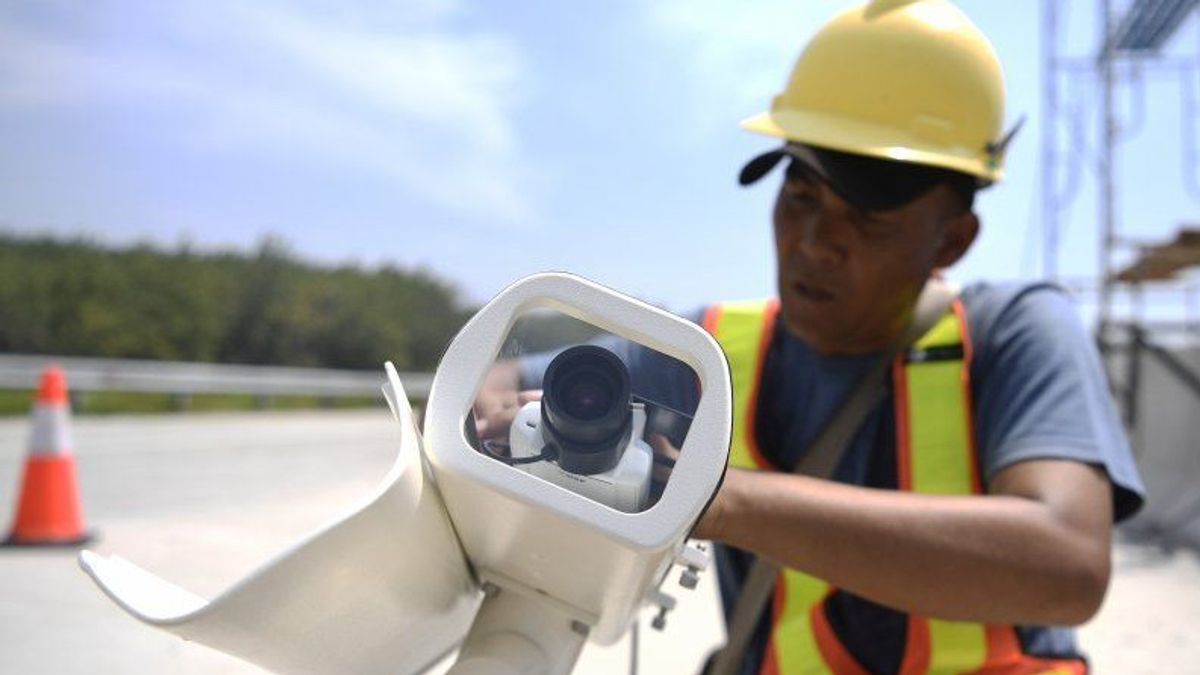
<point x="1041" y="391"/>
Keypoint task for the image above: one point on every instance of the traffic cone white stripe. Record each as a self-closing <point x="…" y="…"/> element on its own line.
<point x="51" y="431"/>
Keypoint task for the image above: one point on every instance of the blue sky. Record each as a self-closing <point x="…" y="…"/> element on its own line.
<point x="482" y="140"/>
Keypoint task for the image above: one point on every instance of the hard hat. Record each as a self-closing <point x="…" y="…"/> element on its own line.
<point x="905" y="80"/>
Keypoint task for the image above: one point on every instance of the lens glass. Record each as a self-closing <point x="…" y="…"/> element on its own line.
<point x="587" y="395"/>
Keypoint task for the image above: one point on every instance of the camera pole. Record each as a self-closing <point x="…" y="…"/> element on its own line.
<point x="519" y="634"/>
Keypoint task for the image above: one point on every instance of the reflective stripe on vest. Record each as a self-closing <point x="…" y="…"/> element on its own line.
<point x="743" y="330"/>
<point x="933" y="413"/>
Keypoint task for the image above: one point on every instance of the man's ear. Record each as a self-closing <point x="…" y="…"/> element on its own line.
<point x="959" y="233"/>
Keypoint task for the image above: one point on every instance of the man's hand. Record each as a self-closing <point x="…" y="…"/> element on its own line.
<point x="666" y="451"/>
<point x="499" y="400"/>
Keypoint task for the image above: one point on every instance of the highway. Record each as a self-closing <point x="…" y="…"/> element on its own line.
<point x="202" y="498"/>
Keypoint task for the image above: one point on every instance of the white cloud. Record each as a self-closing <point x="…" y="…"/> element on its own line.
<point x="398" y="93"/>
<point x="739" y="53"/>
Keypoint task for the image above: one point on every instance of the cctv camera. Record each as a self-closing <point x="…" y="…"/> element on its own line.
<point x="512" y="531"/>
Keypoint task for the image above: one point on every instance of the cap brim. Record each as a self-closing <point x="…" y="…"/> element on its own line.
<point x="868" y="183"/>
<point x="760" y="166"/>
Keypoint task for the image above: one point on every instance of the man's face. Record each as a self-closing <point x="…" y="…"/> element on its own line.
<point x="848" y="279"/>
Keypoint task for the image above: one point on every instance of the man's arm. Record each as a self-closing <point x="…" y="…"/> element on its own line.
<point x="1035" y="550"/>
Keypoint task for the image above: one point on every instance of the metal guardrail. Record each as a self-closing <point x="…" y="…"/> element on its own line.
<point x="20" y="371"/>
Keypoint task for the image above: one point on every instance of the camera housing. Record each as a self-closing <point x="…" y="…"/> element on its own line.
<point x="594" y="563"/>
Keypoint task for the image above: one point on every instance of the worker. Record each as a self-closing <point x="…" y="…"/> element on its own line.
<point x="967" y="520"/>
<point x="969" y="517"/>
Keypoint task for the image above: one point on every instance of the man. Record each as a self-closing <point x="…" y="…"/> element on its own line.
<point x="970" y="513"/>
<point x="972" y="510"/>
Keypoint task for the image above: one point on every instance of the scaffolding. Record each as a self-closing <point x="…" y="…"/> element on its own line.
<point x="1129" y="48"/>
<point x="1131" y="42"/>
<point x="1149" y="360"/>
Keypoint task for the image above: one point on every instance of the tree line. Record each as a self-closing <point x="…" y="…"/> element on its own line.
<point x="80" y="298"/>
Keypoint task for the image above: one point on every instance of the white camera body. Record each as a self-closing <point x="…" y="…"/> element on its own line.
<point x="595" y="563"/>
<point x="625" y="487"/>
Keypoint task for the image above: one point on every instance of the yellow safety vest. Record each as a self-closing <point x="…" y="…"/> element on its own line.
<point x="935" y="446"/>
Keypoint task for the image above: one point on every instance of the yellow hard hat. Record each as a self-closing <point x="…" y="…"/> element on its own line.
<point x="905" y="80"/>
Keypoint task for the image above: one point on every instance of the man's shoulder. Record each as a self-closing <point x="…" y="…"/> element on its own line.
<point x="988" y="300"/>
<point x="1040" y="386"/>
<point x="998" y="310"/>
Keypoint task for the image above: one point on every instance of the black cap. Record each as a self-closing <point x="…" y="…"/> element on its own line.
<point x="868" y="183"/>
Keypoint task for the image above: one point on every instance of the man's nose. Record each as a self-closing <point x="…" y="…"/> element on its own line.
<point x="823" y="232"/>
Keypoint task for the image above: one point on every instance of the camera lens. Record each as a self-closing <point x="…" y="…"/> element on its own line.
<point x="587" y="395"/>
<point x="585" y="409"/>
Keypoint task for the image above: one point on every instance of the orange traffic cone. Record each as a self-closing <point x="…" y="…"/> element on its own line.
<point x="48" y="512"/>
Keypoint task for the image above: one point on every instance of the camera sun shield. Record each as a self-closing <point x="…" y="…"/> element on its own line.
<point x="593" y="550"/>
<point x="383" y="589"/>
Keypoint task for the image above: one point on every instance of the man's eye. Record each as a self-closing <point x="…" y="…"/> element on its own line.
<point x="800" y="197"/>
<point x="872" y="225"/>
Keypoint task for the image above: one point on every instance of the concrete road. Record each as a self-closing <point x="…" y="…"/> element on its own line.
<point x="202" y="498"/>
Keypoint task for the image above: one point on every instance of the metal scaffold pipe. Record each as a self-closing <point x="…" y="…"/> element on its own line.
<point x="1106" y="170"/>
<point x="1050" y="154"/>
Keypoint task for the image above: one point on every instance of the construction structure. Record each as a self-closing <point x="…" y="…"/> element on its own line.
<point x="1153" y="357"/>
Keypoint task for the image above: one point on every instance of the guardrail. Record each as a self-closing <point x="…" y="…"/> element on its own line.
<point x="20" y="371"/>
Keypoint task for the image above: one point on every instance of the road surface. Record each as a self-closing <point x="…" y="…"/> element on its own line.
<point x="202" y="498"/>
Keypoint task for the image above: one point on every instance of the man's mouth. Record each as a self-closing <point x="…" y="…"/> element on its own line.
<point x="812" y="293"/>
